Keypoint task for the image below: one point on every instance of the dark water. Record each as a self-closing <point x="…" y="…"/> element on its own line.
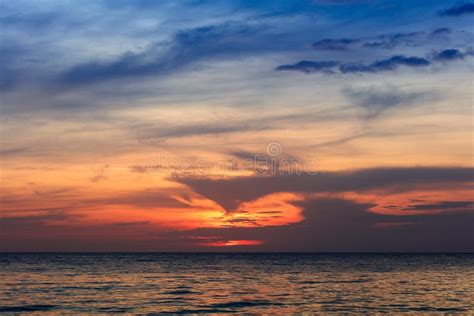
<point x="221" y="283"/>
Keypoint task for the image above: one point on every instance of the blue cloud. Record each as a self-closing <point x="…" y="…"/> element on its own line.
<point x="28" y="21"/>
<point x="185" y="47"/>
<point x="334" y="44"/>
<point x="388" y="64"/>
<point x="451" y="54"/>
<point x="307" y="66"/>
<point x="441" y="31"/>
<point x="391" y="63"/>
<point x="465" y="8"/>
<point x="389" y="41"/>
<point x="60" y="48"/>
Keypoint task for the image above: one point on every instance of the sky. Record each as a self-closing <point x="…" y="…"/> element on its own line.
<point x="194" y="125"/>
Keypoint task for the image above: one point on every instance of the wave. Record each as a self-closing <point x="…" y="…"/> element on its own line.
<point x="26" y="308"/>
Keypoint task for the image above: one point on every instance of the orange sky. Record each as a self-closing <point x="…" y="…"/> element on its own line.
<point x="233" y="127"/>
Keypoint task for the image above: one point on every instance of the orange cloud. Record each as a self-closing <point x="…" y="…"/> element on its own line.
<point x="231" y="243"/>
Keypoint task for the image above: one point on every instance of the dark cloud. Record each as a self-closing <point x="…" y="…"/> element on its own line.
<point x="264" y="163"/>
<point x="388" y="64"/>
<point x="451" y="54"/>
<point x="443" y="205"/>
<point x="338" y="225"/>
<point x="246" y="155"/>
<point x="378" y="99"/>
<point x="385" y="41"/>
<point x="329" y="67"/>
<point x="230" y="192"/>
<point x="307" y="66"/>
<point x="458" y="10"/>
<point x="45" y="218"/>
<point x="334" y="44"/>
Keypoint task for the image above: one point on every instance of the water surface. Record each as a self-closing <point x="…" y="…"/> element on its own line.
<point x="220" y="283"/>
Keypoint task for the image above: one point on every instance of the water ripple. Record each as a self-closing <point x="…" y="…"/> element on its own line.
<point x="59" y="284"/>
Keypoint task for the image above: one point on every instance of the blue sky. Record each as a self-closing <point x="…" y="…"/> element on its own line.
<point x="69" y="45"/>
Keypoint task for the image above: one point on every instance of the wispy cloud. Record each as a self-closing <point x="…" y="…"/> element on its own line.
<point x="334" y="44"/>
<point x="392" y="40"/>
<point x="375" y="100"/>
<point x="185" y="48"/>
<point x="441" y="31"/>
<point x="13" y="151"/>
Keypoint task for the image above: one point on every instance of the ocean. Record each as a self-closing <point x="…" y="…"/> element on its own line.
<point x="85" y="283"/>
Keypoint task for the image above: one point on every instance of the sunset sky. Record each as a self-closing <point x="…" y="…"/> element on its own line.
<point x="305" y="125"/>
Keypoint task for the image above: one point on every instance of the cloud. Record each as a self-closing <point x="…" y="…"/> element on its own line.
<point x="389" y="41"/>
<point x="13" y="151"/>
<point x="160" y="58"/>
<point x="378" y="99"/>
<point x="382" y="65"/>
<point x="139" y="169"/>
<point x="329" y="67"/>
<point x="342" y="140"/>
<point x="458" y="10"/>
<point x="160" y="134"/>
<point x="386" y="41"/>
<point x="388" y="64"/>
<point x="263" y="163"/>
<point x="338" y="225"/>
<point x="149" y="198"/>
<point x="334" y="44"/>
<point x="101" y="174"/>
<point x="29" y="21"/>
<point x="443" y="205"/>
<point x="43" y="219"/>
<point x="451" y="54"/>
<point x="340" y="2"/>
<point x="309" y="66"/>
<point x="138" y="4"/>
<point x="230" y="192"/>
<point x="441" y="31"/>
